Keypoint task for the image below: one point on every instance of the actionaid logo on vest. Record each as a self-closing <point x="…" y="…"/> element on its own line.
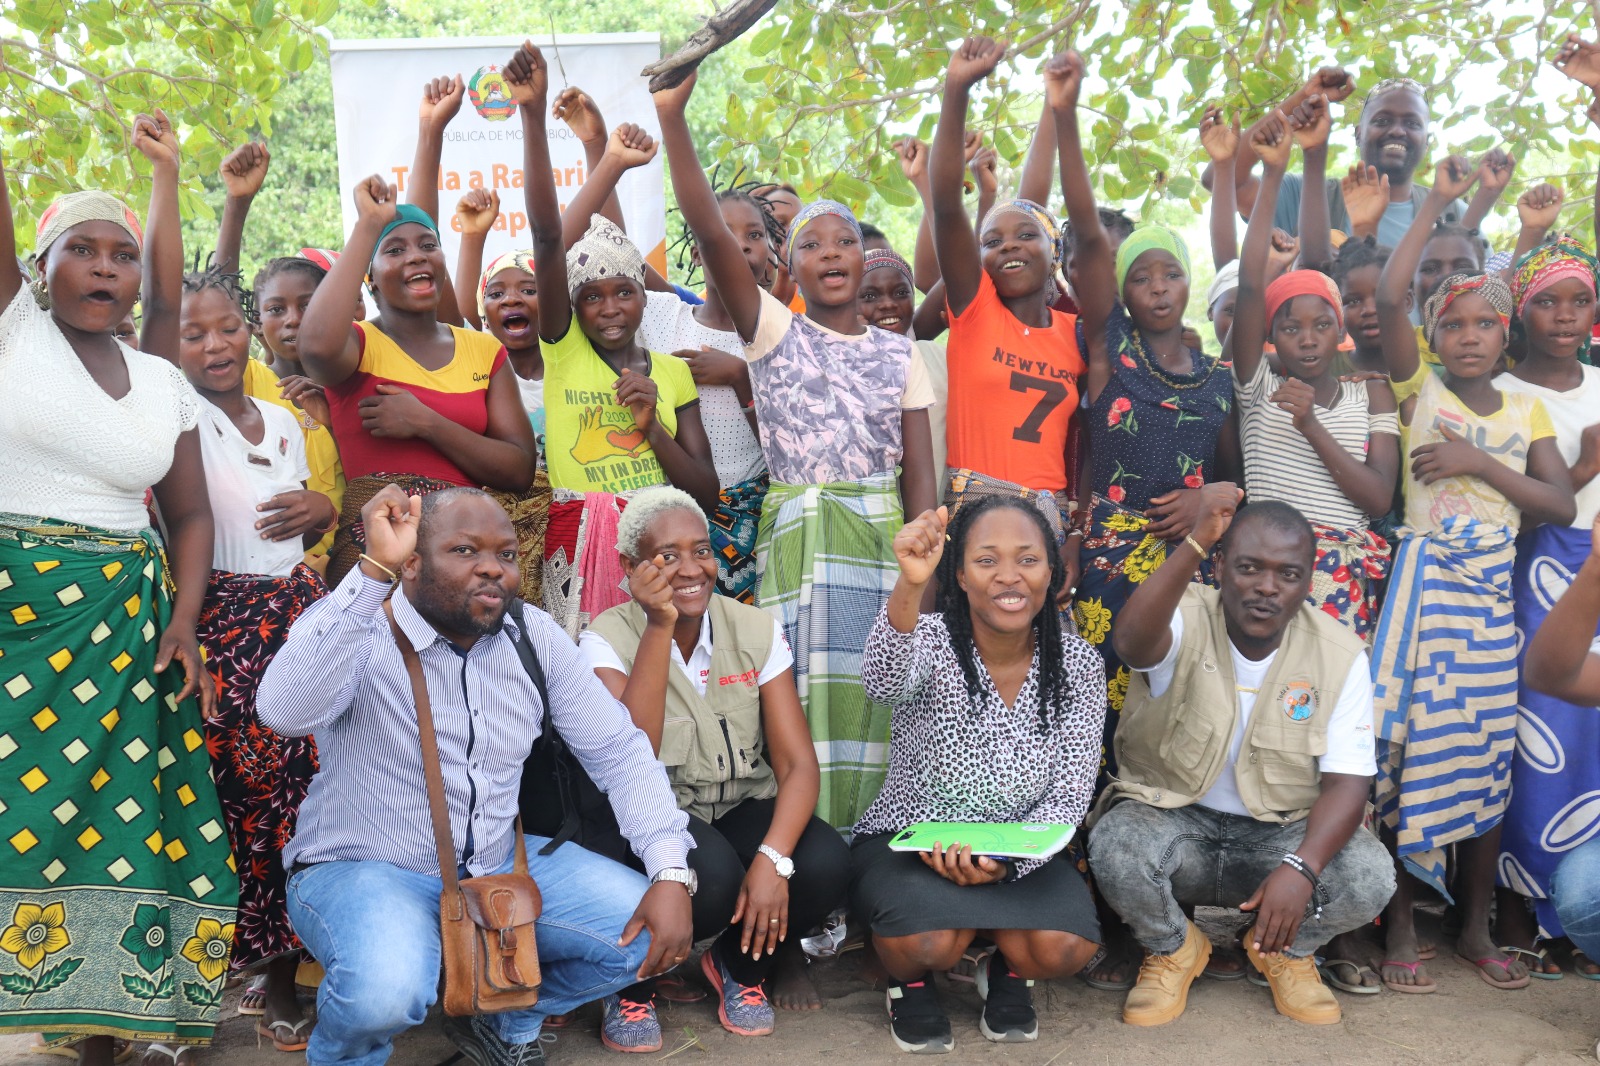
<point x="1298" y="702"/>
<point x="746" y="678"/>
<point x="490" y="95"/>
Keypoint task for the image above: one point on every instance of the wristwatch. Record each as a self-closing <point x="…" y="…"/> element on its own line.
<point x="784" y="864"/>
<point x="687" y="878"/>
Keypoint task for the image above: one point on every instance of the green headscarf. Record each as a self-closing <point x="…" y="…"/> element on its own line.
<point x="1146" y="239"/>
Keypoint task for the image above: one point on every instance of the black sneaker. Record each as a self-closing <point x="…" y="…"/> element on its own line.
<point x="1008" y="1014"/>
<point x="916" y="1021"/>
<point x="482" y="1046"/>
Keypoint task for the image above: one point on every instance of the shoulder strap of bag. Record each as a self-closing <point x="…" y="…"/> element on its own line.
<point x="438" y="808"/>
<point x="548" y="738"/>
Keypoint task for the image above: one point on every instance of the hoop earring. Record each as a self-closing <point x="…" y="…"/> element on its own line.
<point x="41" y="293"/>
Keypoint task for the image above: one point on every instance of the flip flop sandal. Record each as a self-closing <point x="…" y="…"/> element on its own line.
<point x="1427" y="953"/>
<point x="1221" y="955"/>
<point x="1482" y="966"/>
<point x="295" y="1040"/>
<point x="121" y="1050"/>
<point x="1351" y="984"/>
<point x="966" y="970"/>
<point x="1410" y="990"/>
<point x="253" y="1000"/>
<point x="1536" y="957"/>
<point x="171" y="1052"/>
<point x="1579" y="960"/>
<point x="1108" y="986"/>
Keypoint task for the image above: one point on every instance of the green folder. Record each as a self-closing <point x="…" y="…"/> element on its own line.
<point x="1000" y="840"/>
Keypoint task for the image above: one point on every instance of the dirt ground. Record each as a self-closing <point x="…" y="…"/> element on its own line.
<point x="1466" y="1023"/>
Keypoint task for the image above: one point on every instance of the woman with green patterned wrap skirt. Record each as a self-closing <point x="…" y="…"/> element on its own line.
<point x="117" y="887"/>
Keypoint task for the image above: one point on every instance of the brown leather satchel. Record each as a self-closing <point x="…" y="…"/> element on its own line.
<point x="486" y="924"/>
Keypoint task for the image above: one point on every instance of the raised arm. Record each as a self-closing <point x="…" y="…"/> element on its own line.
<point x="1091" y="248"/>
<point x="1311" y="125"/>
<point x="643" y="689"/>
<point x="1039" y="169"/>
<point x="960" y="261"/>
<point x="913" y="155"/>
<point x="628" y="147"/>
<point x="983" y="166"/>
<point x="1221" y="142"/>
<point x="1453" y="177"/>
<point x="1271" y="143"/>
<point x="161" y="297"/>
<point x="330" y="344"/>
<point x="1537" y="210"/>
<point x="720" y="251"/>
<point x="477" y="211"/>
<point x="1366" y="198"/>
<point x="529" y="81"/>
<point x="582" y="115"/>
<point x="1332" y="83"/>
<point x="1143" y="634"/>
<point x="441" y="99"/>
<point x="1495" y="171"/>
<point x="242" y="174"/>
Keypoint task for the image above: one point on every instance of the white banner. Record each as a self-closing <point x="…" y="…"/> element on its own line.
<point x="377" y="89"/>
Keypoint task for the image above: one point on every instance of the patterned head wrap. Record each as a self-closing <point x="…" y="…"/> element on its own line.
<point x="1149" y="239"/>
<point x="75" y="208"/>
<point x="1038" y="213"/>
<point x="1490" y="286"/>
<point x="1304" y="283"/>
<point x="510" y="260"/>
<point x="884" y="257"/>
<point x="1549" y="263"/>
<point x="322" y="257"/>
<point x="1226" y="281"/>
<point x="813" y="211"/>
<point x="1497" y="262"/>
<point x="604" y="251"/>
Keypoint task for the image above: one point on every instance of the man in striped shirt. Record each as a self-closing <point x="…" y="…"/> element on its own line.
<point x="363" y="868"/>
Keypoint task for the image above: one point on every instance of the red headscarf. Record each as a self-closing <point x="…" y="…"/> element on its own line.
<point x="1304" y="283"/>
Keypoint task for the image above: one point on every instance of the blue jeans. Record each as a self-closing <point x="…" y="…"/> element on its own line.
<point x="375" y="929"/>
<point x="1576" y="889"/>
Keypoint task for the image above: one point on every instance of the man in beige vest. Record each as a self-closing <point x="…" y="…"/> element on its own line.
<point x="1245" y="758"/>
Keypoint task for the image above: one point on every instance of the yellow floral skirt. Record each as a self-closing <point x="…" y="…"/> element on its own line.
<point x="117" y="887"/>
<point x="1117" y="556"/>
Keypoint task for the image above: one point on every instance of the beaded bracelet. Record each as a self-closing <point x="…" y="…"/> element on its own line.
<point x="1295" y="862"/>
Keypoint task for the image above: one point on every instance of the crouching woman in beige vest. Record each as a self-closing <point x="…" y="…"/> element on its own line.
<point x="1244" y="761"/>
<point x="710" y="681"/>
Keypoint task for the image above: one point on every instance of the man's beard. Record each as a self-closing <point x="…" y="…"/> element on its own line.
<point x="452" y="611"/>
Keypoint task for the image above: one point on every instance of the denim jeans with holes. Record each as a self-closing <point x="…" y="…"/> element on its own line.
<point x="1149" y="862"/>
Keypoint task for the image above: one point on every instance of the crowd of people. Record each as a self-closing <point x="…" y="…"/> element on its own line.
<point x="715" y="587"/>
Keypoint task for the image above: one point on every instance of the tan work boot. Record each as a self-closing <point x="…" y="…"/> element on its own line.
<point x="1162" y="991"/>
<point x="1297" y="988"/>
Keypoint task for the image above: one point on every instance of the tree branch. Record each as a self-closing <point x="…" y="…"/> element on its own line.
<point x="720" y="29"/>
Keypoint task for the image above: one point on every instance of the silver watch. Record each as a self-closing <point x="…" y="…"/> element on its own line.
<point x="784" y="864"/>
<point x="687" y="878"/>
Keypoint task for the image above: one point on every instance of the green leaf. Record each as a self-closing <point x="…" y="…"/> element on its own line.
<point x="199" y="995"/>
<point x="57" y="975"/>
<point x="18" y="984"/>
<point x="261" y="13"/>
<point x="138" y="987"/>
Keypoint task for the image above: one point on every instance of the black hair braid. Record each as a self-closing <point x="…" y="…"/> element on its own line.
<point x="957" y="611"/>
<point x="288" y="264"/>
<point x="1449" y="227"/>
<point x="1358" y="252"/>
<point x="743" y="192"/>
<point x="230" y="284"/>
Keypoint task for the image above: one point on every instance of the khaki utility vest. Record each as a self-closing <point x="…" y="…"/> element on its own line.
<point x="1171" y="750"/>
<point x="712" y="745"/>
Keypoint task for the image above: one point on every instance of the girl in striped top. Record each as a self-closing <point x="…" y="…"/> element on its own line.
<point x="1330" y="448"/>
